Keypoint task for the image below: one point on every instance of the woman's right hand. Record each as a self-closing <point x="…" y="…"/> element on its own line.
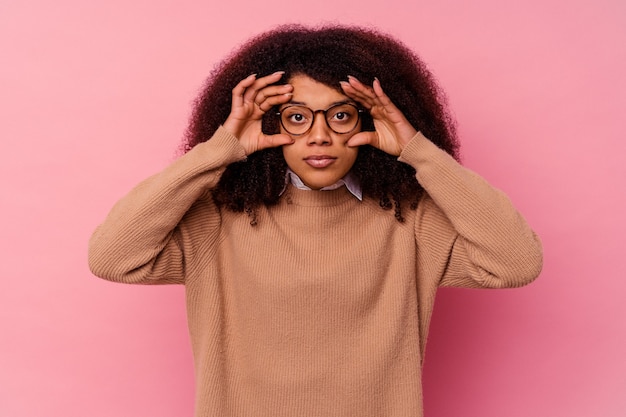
<point x="252" y="97"/>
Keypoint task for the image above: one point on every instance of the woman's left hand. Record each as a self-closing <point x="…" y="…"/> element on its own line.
<point x="392" y="130"/>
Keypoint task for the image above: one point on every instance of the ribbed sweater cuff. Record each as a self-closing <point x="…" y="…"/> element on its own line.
<point x="223" y="148"/>
<point x="420" y="148"/>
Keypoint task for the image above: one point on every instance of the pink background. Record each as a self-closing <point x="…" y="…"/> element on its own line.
<point x="94" y="96"/>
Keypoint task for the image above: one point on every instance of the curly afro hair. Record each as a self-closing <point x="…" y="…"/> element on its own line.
<point x="327" y="54"/>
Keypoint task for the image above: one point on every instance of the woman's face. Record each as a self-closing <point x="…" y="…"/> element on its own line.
<point x="320" y="156"/>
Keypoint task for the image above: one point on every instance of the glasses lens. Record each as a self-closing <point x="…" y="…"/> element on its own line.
<point x="342" y="118"/>
<point x="296" y="119"/>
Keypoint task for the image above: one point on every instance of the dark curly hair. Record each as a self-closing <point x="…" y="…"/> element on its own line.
<point x="327" y="54"/>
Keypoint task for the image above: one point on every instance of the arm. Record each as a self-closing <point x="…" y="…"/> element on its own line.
<point x="140" y="240"/>
<point x="486" y="241"/>
<point x="462" y="220"/>
<point x="144" y="239"/>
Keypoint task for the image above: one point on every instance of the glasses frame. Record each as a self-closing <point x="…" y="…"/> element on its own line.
<point x="315" y="112"/>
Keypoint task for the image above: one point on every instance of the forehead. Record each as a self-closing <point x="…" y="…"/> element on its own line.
<point x="314" y="94"/>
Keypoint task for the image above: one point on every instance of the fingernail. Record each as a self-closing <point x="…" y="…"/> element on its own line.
<point x="278" y="72"/>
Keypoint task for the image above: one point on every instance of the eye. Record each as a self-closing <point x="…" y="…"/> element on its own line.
<point x="296" y="118"/>
<point x="296" y="115"/>
<point x="342" y="114"/>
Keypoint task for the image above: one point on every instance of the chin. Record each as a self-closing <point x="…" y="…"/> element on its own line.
<point x="316" y="185"/>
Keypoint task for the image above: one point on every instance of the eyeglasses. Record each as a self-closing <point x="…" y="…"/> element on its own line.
<point x="341" y="118"/>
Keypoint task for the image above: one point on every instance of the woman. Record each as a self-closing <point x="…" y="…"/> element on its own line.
<point x="317" y="209"/>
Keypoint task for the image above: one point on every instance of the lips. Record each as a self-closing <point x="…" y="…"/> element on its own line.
<point x="320" y="161"/>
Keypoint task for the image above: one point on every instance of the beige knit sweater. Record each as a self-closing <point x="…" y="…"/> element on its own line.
<point x="323" y="308"/>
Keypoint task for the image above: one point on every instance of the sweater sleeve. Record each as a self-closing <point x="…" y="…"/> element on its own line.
<point x="479" y="237"/>
<point x="141" y="240"/>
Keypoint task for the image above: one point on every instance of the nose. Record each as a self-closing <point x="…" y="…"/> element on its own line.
<point x="320" y="132"/>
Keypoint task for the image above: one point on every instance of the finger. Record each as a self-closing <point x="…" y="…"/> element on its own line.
<point x="260" y="83"/>
<point x="358" y="91"/>
<point x="273" y="141"/>
<point x="380" y="94"/>
<point x="365" y="94"/>
<point x="267" y="104"/>
<point x="271" y="91"/>
<point x="393" y="113"/>
<point x="240" y="88"/>
<point x="351" y="92"/>
<point x="361" y="88"/>
<point x="363" y="138"/>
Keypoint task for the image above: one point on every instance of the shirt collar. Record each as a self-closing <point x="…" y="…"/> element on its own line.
<point x="350" y="181"/>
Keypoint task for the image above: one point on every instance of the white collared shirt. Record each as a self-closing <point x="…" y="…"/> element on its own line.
<point x="350" y="181"/>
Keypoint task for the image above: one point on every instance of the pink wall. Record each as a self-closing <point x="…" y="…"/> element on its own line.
<point x="95" y="95"/>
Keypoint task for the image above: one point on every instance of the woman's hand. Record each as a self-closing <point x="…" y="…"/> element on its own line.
<point x="392" y="130"/>
<point x="252" y="97"/>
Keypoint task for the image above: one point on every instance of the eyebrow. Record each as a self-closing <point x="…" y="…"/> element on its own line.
<point x="301" y="103"/>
